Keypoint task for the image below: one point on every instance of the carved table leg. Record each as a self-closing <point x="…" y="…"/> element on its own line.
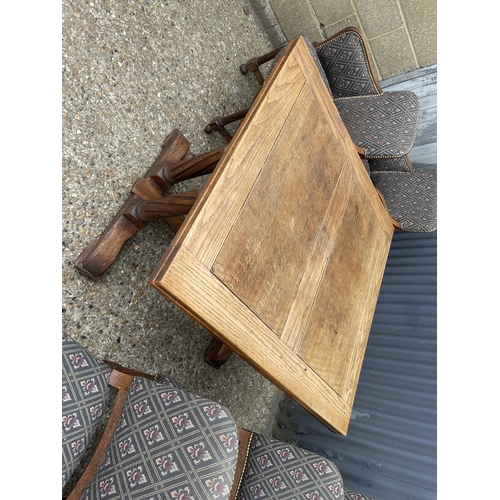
<point x="162" y="208"/>
<point x="217" y="354"/>
<point x="168" y="169"/>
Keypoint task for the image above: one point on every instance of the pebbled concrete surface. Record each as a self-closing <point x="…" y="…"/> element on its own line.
<point x="132" y="71"/>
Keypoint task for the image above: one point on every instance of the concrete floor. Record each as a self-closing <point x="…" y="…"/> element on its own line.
<point x="133" y="71"/>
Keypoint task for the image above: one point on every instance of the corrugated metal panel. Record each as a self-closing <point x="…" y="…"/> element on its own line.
<point x="389" y="452"/>
<point x="390" y="449"/>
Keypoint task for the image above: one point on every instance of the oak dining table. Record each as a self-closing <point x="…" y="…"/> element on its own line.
<point x="282" y="255"/>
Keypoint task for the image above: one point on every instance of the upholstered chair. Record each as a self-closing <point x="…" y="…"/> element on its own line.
<point x="410" y="197"/>
<point x="383" y="124"/>
<point x="163" y="442"/>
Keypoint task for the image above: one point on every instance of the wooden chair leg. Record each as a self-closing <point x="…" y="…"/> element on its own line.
<point x="253" y="64"/>
<point x="217" y="354"/>
<point x="218" y="124"/>
<point x="168" y="169"/>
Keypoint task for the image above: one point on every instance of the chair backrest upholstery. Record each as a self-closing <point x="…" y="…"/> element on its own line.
<point x="85" y="395"/>
<point x="411" y="198"/>
<point x="160" y="441"/>
<point x="345" y="61"/>
<point x="169" y="443"/>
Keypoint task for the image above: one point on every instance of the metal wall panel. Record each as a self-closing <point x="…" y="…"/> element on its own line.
<point x="389" y="452"/>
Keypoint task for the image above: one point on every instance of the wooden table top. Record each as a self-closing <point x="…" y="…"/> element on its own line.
<point x="282" y="256"/>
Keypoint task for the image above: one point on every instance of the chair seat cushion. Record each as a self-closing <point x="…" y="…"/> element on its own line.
<point x="384" y="125"/>
<point x="168" y="444"/>
<point x="85" y="395"/>
<point x="411" y="198"/>
<point x="402" y="164"/>
<point x="353" y="495"/>
<point x="276" y="470"/>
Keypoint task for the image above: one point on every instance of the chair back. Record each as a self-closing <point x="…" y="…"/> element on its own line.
<point x="85" y="395"/>
<point x="347" y="66"/>
<point x="410" y="197"/>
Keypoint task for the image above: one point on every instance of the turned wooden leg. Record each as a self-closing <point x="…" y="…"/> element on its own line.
<point x="218" y="124"/>
<point x="168" y="169"/>
<point x="254" y="68"/>
<point x="166" y="207"/>
<point x="253" y="64"/>
<point x="217" y="354"/>
<point x="189" y="168"/>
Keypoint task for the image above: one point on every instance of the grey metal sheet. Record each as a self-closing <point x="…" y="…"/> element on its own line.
<point x="389" y="452"/>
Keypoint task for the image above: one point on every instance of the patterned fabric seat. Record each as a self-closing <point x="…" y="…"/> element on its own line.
<point x="384" y="124"/>
<point x="168" y="443"/>
<point x="280" y="471"/>
<point x="411" y="198"/>
<point x="85" y="395"/>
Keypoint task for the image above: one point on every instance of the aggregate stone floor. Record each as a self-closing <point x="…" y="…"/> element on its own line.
<point x="133" y="70"/>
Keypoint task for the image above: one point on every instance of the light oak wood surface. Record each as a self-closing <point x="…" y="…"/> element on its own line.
<point x="283" y="253"/>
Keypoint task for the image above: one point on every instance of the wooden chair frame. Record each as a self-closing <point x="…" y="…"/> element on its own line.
<point x="219" y="123"/>
<point x="253" y="64"/>
<point x="121" y="379"/>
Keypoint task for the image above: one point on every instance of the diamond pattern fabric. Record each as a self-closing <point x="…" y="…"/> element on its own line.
<point x="85" y="395"/>
<point x="279" y="471"/>
<point x="168" y="444"/>
<point x="411" y="198"/>
<point x="384" y="125"/>
<point x="401" y="164"/>
<point x="345" y="62"/>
